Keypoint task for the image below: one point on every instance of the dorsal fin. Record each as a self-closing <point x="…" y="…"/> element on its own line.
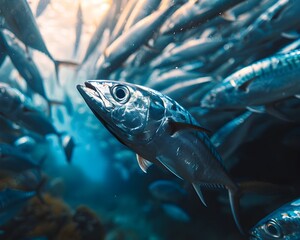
<point x="178" y="126"/>
<point x="143" y="163"/>
<point x="197" y="188"/>
<point x="244" y="87"/>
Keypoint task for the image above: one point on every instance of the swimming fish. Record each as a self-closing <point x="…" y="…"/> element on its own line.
<point x="194" y="13"/>
<point x="283" y="223"/>
<point x="120" y="49"/>
<point x="261" y="83"/>
<point x="160" y="131"/>
<point x="16" y="107"/>
<point x="12" y="200"/>
<point x="79" y="25"/>
<point x="166" y="190"/>
<point x="175" y="212"/>
<point x="24" y="64"/>
<point x="20" y="20"/>
<point x="14" y="160"/>
<point x="141" y="10"/>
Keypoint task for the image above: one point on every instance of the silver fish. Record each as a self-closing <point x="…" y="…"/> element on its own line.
<point x="96" y="37"/>
<point x="17" y="108"/>
<point x="282" y="224"/>
<point x="141" y="10"/>
<point x="118" y="29"/>
<point x="160" y="131"/>
<point x="194" y="13"/>
<point x="167" y="191"/>
<point x="79" y="25"/>
<point x="25" y="65"/>
<point x="20" y="20"/>
<point x="14" y="160"/>
<point x="129" y="42"/>
<point x="263" y="82"/>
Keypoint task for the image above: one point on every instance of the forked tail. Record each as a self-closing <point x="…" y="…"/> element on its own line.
<point x="235" y="194"/>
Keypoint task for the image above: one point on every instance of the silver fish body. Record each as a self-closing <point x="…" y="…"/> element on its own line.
<point x="160" y="131"/>
<point x="14" y="160"/>
<point x="17" y="108"/>
<point x="271" y="79"/>
<point x="282" y="224"/>
<point x="119" y="50"/>
<point x="25" y="66"/>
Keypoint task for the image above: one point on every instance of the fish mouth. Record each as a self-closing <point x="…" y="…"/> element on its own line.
<point x="90" y="94"/>
<point x="93" y="99"/>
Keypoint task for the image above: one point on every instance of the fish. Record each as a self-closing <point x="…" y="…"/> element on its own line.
<point x="79" y="25"/>
<point x="283" y="223"/>
<point x="261" y="83"/>
<point x="24" y="64"/>
<point x="41" y="7"/>
<point x="12" y="200"/>
<point x="119" y="50"/>
<point x="145" y="120"/>
<point x="165" y="79"/>
<point x="14" y="160"/>
<point x="229" y="137"/>
<point x="167" y="191"/>
<point x="194" y="13"/>
<point x="17" y="108"/>
<point x="25" y="143"/>
<point x="118" y="29"/>
<point x="20" y="20"/>
<point x="176" y="213"/>
<point x="188" y="50"/>
<point x="9" y="131"/>
<point x="96" y="37"/>
<point x="279" y="18"/>
<point x="141" y="10"/>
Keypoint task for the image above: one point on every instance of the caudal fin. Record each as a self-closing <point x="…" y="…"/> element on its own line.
<point x="253" y="187"/>
<point x="234" y="199"/>
<point x="50" y="103"/>
<point x="57" y="64"/>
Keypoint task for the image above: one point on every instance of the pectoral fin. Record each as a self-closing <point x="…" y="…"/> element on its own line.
<point x="177" y="126"/>
<point x="199" y="193"/>
<point x="143" y="163"/>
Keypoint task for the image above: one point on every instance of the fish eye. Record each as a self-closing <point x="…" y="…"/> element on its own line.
<point x="273" y="229"/>
<point x="120" y="93"/>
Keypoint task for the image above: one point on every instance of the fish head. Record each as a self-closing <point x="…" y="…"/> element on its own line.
<point x="214" y="98"/>
<point x="130" y="112"/>
<point x="281" y="224"/>
<point x="222" y="96"/>
<point x="9" y="98"/>
<point x="269" y="229"/>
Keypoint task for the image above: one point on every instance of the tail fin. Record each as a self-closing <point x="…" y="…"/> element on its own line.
<point x="234" y="199"/>
<point x="53" y="102"/>
<point x="253" y="187"/>
<point x="66" y="63"/>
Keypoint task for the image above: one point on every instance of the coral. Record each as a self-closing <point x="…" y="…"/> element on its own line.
<point x="53" y="219"/>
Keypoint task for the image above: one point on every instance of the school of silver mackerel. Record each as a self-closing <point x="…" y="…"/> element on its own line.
<point x="205" y="93"/>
